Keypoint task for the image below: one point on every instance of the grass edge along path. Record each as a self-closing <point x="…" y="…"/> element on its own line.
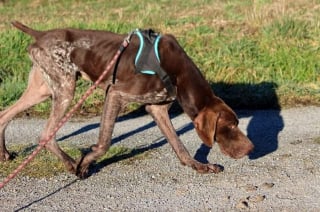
<point x="255" y="54"/>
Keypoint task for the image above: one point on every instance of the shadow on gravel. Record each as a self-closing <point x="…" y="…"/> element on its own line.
<point x="134" y="114"/>
<point x="80" y="131"/>
<point x="23" y="208"/>
<point x="258" y="101"/>
<point x="263" y="129"/>
<point x="138" y="151"/>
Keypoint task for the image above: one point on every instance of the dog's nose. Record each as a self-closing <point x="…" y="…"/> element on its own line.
<point x="250" y="148"/>
<point x="245" y="150"/>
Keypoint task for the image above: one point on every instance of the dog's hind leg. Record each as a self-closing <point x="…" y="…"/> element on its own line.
<point x="62" y="95"/>
<point x="161" y="117"/>
<point x="36" y="92"/>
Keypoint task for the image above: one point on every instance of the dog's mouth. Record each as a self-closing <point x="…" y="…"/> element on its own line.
<point x="237" y="152"/>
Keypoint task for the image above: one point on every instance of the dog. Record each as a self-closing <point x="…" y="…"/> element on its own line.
<point x="60" y="56"/>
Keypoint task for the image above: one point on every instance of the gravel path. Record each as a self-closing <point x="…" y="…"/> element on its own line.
<point x="283" y="174"/>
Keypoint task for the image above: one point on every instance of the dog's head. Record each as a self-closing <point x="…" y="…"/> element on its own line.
<point x="219" y="123"/>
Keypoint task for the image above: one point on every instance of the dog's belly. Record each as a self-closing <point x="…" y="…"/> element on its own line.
<point x="152" y="97"/>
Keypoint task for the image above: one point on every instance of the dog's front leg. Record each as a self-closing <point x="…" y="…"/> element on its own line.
<point x="112" y="107"/>
<point x="161" y="117"/>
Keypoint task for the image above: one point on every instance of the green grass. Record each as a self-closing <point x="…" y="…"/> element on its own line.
<point x="46" y="164"/>
<point x="267" y="49"/>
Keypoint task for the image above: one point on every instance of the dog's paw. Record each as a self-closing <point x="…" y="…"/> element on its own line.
<point x="215" y="168"/>
<point x="72" y="167"/>
<point x="207" y="168"/>
<point x="7" y="156"/>
<point x="82" y="171"/>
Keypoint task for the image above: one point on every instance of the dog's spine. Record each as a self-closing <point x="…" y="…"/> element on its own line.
<point x="34" y="33"/>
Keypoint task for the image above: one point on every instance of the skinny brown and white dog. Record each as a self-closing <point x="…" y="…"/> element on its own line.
<point x="59" y="56"/>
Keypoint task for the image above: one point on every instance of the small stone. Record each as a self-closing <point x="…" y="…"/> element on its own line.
<point x="296" y="142"/>
<point x="242" y="205"/>
<point x="227" y="198"/>
<point x="267" y="185"/>
<point x="250" y="188"/>
<point x="256" y="198"/>
<point x="175" y="180"/>
<point x="286" y="155"/>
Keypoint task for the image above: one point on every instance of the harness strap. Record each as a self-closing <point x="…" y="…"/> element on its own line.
<point x="121" y="50"/>
<point x="147" y="60"/>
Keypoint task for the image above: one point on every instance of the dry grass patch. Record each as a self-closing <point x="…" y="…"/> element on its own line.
<point x="46" y="164"/>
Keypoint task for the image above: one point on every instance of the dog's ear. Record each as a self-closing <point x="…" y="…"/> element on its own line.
<point x="205" y="124"/>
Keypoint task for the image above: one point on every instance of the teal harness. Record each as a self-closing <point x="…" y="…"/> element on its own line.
<point x="147" y="60"/>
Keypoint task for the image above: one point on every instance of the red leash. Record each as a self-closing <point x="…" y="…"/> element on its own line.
<point x="42" y="143"/>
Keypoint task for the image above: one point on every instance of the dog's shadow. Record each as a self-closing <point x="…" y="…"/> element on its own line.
<point x="263" y="128"/>
<point x="134" y="114"/>
<point x="175" y="111"/>
<point x="23" y="208"/>
<point x="259" y="102"/>
<point x="96" y="167"/>
<point x="265" y="122"/>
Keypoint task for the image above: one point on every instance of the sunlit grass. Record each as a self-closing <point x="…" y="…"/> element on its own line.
<point x="233" y="42"/>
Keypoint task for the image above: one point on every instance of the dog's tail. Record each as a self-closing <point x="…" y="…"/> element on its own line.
<point x="34" y="33"/>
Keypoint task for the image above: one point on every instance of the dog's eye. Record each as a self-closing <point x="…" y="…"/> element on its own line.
<point x="233" y="126"/>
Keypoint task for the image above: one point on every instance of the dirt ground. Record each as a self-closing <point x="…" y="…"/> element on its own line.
<point x="283" y="174"/>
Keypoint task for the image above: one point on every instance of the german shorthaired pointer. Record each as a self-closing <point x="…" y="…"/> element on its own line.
<point x="60" y="56"/>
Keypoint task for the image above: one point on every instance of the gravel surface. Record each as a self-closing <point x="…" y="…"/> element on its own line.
<point x="282" y="175"/>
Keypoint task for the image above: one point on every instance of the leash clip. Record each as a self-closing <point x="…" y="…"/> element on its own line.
<point x="128" y="38"/>
<point x="126" y="41"/>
